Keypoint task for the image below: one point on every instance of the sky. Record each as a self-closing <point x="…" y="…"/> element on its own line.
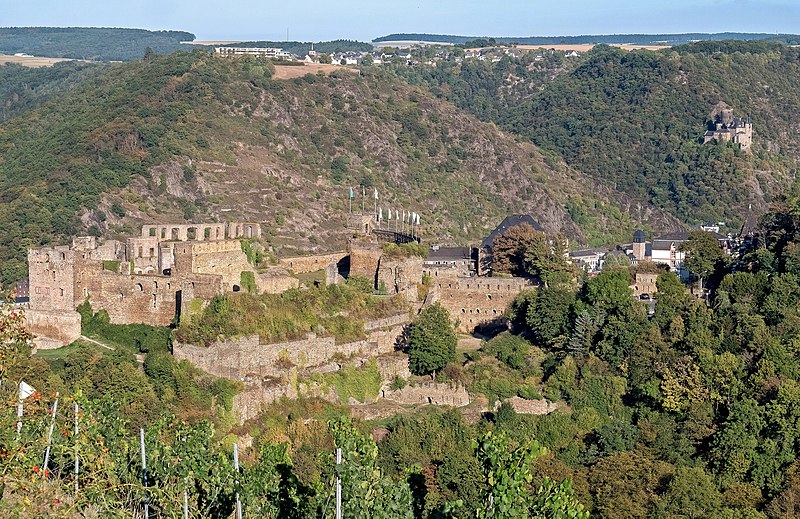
<point x="364" y="20"/>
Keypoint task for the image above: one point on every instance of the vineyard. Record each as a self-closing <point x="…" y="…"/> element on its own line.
<point x="74" y="456"/>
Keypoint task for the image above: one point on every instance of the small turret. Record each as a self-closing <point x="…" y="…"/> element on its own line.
<point x="639" y="246"/>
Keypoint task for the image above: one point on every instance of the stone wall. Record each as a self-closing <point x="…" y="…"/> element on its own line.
<point x="539" y="407"/>
<point x="201" y="231"/>
<point x="275" y="280"/>
<point x="400" y="276"/>
<point x="365" y="256"/>
<point x="477" y="301"/>
<point x="237" y="358"/>
<point x="51" y="272"/>
<point x="220" y="258"/>
<point x="61" y="327"/>
<point x="304" y="264"/>
<point x="429" y="393"/>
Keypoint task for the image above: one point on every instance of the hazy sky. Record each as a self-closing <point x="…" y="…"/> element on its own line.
<point x="364" y="20"/>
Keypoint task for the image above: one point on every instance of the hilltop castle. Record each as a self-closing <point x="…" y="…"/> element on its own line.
<point x="728" y="128"/>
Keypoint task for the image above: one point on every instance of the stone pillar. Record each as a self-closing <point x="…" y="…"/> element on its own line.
<point x="182" y="233"/>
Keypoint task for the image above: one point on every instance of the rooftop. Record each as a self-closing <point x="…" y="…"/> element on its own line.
<point x="507" y="223"/>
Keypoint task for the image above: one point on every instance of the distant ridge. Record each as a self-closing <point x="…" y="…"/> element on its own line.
<point x="90" y="43"/>
<point x="637" y="39"/>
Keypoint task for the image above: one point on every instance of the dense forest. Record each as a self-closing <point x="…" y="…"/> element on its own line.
<point x="23" y="88"/>
<point x="89" y="43"/>
<point x="634" y="39"/>
<point x="634" y="119"/>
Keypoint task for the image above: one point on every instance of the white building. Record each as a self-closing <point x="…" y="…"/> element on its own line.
<point x="590" y="260"/>
<point x="264" y="52"/>
<point x="666" y="250"/>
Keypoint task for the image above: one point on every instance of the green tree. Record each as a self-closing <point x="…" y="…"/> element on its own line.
<point x="366" y="492"/>
<point x="549" y="318"/>
<point x="703" y="254"/>
<point x="431" y="341"/>
<point x="508" y="493"/>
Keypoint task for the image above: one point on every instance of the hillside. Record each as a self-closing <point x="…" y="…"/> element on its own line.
<point x="89" y="43"/>
<point x="193" y="137"/>
<point x="633" y="119"/>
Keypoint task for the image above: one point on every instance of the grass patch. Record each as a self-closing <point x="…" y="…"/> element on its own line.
<point x="131" y="338"/>
<point x="112" y="265"/>
<point x="329" y="311"/>
<point x="55" y="358"/>
<point x="361" y="384"/>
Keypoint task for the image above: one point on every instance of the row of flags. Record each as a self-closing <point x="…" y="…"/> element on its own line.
<point x="397" y="215"/>
<point x="404" y="216"/>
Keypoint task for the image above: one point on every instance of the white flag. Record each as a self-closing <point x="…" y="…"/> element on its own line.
<point x="417" y="218"/>
<point x="376" y="193"/>
<point x="390" y="214"/>
<point x="25" y="390"/>
<point x="380" y="214"/>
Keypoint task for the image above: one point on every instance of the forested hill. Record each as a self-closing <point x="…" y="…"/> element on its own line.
<point x="633" y="119"/>
<point x="636" y="39"/>
<point x="199" y="138"/>
<point x="90" y="43"/>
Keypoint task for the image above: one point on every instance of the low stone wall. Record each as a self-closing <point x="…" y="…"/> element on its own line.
<point x="275" y="280"/>
<point x="429" y="393"/>
<point x="57" y="327"/>
<point x="304" y="264"/>
<point x="539" y="407"/>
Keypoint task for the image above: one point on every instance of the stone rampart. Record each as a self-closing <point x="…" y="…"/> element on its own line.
<point x="61" y="327"/>
<point x="400" y="276"/>
<point x="304" y="264"/>
<point x="365" y="257"/>
<point x="429" y="393"/>
<point x="477" y="301"/>
<point x="222" y="258"/>
<point x="275" y="280"/>
<point x="539" y="407"/>
<point x="241" y="357"/>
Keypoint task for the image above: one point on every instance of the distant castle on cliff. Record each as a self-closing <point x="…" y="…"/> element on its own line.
<point x="728" y="128"/>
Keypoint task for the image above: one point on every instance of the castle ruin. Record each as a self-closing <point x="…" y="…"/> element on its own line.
<point x="147" y="279"/>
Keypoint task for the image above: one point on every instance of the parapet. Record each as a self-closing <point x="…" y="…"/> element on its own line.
<point x="202" y="231"/>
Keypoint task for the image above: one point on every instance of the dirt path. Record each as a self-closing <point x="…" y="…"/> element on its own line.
<point x="139" y="357"/>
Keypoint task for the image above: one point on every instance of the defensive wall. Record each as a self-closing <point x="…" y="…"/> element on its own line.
<point x="477" y="301"/>
<point x="400" y="276"/>
<point x="202" y="231"/>
<point x="305" y="264"/>
<point x="241" y="357"/>
<point x="365" y="257"/>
